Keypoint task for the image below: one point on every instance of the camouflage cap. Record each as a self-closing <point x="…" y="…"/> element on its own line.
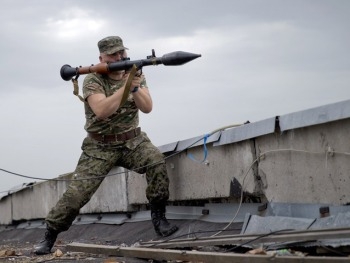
<point x="110" y="45"/>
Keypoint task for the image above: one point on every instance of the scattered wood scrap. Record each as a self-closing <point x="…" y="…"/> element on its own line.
<point x="195" y="256"/>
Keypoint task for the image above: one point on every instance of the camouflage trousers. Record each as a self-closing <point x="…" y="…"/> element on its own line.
<point x="96" y="160"/>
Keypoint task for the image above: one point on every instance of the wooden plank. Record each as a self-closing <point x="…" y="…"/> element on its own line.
<point x="290" y="236"/>
<point x="196" y="256"/>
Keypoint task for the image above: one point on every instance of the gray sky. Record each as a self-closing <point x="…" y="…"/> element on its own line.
<point x="260" y="59"/>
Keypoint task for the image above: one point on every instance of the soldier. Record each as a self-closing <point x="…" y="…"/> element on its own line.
<point x="113" y="139"/>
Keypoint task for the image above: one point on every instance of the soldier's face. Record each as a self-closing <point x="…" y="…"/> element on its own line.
<point x="117" y="56"/>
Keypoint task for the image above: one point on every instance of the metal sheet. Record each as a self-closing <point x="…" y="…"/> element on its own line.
<point x="260" y="225"/>
<point x="168" y="147"/>
<point x="269" y="224"/>
<point x="197" y="141"/>
<point x="302" y="210"/>
<point x="16" y="189"/>
<point x="335" y="221"/>
<point x="226" y="212"/>
<point x="32" y="224"/>
<point x="314" y="116"/>
<point x="247" y="131"/>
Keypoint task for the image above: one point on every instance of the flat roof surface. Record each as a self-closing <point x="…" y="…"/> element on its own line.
<point x="22" y="241"/>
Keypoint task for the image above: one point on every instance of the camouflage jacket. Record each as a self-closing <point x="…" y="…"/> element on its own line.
<point x="124" y="119"/>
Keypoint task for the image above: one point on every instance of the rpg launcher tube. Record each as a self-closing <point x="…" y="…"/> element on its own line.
<point x="176" y="58"/>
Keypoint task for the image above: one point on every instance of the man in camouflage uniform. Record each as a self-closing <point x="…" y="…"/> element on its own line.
<point x="114" y="139"/>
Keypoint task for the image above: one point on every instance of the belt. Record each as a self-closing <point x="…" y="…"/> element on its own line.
<point x="120" y="137"/>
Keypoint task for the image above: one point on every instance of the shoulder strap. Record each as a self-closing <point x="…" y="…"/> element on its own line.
<point x="127" y="85"/>
<point x="76" y="89"/>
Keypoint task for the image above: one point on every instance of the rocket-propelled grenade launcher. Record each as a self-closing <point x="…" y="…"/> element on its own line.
<point x="176" y="58"/>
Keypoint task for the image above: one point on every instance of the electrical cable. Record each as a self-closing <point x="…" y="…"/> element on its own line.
<point x="111" y="174"/>
<point x="191" y="233"/>
<point x="261" y="155"/>
<point x="257" y="238"/>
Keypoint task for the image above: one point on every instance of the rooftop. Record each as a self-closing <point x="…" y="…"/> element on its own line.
<point x="276" y="188"/>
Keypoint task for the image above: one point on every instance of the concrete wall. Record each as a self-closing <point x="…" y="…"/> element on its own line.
<point x="193" y="180"/>
<point x="305" y="169"/>
<point x="6" y="210"/>
<point x="212" y="178"/>
<point x="111" y="196"/>
<point x="36" y="201"/>
<point x="297" y="158"/>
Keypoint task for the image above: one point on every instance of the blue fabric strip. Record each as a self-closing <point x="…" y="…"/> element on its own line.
<point x="205" y="138"/>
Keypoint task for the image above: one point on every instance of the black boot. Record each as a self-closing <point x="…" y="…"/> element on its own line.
<point x="161" y="225"/>
<point x="45" y="246"/>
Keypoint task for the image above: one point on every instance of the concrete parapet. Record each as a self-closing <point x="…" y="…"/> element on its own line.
<point x="307" y="165"/>
<point x="111" y="196"/>
<point x="196" y="179"/>
<point x="6" y="210"/>
<point x="136" y="188"/>
<point x="36" y="201"/>
<point x="296" y="158"/>
<point x="212" y="178"/>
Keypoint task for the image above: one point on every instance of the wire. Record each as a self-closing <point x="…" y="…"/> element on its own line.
<point x="334" y="251"/>
<point x="260" y="156"/>
<point x="240" y="201"/>
<point x="257" y="238"/>
<point x="183" y="235"/>
<point x="112" y="174"/>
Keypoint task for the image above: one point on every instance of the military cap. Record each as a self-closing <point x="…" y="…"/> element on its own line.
<point x="110" y="45"/>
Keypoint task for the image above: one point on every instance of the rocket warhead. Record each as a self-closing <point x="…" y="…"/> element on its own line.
<point x="178" y="58"/>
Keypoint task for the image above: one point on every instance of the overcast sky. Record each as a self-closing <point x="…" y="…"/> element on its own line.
<point x="260" y="59"/>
